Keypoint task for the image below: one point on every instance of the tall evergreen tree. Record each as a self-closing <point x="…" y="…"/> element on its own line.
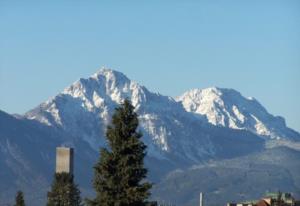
<point x="120" y="173"/>
<point x="20" y="199"/>
<point x="64" y="192"/>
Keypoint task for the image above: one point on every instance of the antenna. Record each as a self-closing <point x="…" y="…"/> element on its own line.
<point x="201" y="199"/>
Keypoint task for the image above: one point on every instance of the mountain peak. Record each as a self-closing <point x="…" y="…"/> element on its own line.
<point x="106" y="84"/>
<point x="84" y="110"/>
<point x="229" y="108"/>
<point x="217" y="91"/>
<point x="109" y="74"/>
<point x="89" y="102"/>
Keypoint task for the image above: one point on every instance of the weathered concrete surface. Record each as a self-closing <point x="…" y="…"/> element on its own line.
<point x="64" y="160"/>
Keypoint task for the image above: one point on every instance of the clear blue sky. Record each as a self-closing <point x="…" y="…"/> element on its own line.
<point x="168" y="46"/>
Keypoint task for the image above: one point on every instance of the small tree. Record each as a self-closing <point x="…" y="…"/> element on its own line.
<point x="20" y="199"/>
<point x="120" y="173"/>
<point x="64" y="192"/>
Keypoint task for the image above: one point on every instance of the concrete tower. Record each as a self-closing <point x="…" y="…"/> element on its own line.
<point x="64" y="160"/>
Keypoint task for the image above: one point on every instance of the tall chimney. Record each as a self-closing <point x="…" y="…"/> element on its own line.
<point x="64" y="160"/>
<point x="201" y="199"/>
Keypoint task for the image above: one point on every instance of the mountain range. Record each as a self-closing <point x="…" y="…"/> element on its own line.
<point x="185" y="136"/>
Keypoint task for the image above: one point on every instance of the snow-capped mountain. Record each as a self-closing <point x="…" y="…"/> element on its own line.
<point x="228" y="108"/>
<point x="178" y="133"/>
<point x="83" y="110"/>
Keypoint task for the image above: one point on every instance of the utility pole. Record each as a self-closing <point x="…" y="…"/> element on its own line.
<point x="201" y="199"/>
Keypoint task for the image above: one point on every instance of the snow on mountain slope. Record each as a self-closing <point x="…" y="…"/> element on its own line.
<point x="83" y="110"/>
<point x="228" y="108"/>
<point x="78" y="117"/>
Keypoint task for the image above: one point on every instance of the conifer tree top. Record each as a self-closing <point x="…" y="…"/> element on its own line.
<point x="120" y="173"/>
<point x="20" y="199"/>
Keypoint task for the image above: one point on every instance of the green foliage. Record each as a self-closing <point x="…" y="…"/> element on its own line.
<point x="20" y="199"/>
<point x="63" y="191"/>
<point x="120" y="173"/>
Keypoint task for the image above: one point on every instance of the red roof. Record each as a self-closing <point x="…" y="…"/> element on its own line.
<point x="262" y="203"/>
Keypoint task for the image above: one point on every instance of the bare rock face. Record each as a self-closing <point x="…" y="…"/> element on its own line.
<point x="228" y="108"/>
<point x="84" y="109"/>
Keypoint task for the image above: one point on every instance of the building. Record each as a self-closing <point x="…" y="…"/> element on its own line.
<point x="263" y="202"/>
<point x="64" y="160"/>
<point x="286" y="199"/>
<point x="239" y="204"/>
<point x="271" y="199"/>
